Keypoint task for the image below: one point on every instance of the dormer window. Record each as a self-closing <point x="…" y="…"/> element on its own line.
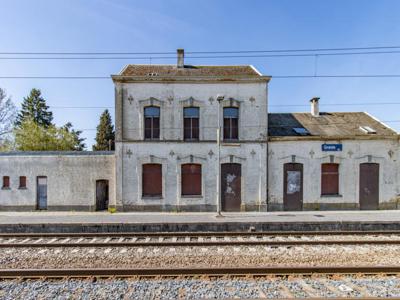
<point x="367" y="130"/>
<point x="301" y="131"/>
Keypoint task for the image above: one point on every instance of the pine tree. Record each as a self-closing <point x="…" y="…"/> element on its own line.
<point x="34" y="108"/>
<point x="105" y="136"/>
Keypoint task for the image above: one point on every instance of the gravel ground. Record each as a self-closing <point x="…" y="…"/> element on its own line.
<point x="134" y="257"/>
<point x="202" y="288"/>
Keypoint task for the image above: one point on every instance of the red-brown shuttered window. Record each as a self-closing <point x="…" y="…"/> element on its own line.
<point x="152" y="180"/>
<point x="191" y="180"/>
<point x="329" y="179"/>
<point x="22" y="182"/>
<point x="6" y="182"/>
<point x="151" y="122"/>
<point x="231" y="123"/>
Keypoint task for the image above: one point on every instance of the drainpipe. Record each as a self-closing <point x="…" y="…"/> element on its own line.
<point x="219" y="204"/>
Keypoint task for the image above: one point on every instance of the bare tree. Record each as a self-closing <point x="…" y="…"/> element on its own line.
<point x="8" y="113"/>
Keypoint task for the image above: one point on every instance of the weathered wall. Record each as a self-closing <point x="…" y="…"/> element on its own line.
<point x="252" y="158"/>
<point x="309" y="153"/>
<point x="71" y="179"/>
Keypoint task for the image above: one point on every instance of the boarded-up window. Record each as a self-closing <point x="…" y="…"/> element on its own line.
<point x="191" y="123"/>
<point x="6" y="182"/>
<point x="22" y="182"/>
<point x="152" y="180"/>
<point x="191" y="179"/>
<point x="231" y="123"/>
<point x="329" y="179"/>
<point x="151" y="122"/>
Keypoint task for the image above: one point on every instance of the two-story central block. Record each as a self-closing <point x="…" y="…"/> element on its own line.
<point x="167" y="151"/>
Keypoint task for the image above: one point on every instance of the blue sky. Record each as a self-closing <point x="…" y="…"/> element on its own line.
<point x="154" y="26"/>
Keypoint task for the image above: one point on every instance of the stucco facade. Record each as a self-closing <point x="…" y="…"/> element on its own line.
<point x="71" y="179"/>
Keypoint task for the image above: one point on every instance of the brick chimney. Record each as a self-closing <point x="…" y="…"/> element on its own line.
<point x="314" y="107"/>
<point x="181" y="56"/>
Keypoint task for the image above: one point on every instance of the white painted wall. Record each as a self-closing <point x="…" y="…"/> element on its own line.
<point x="71" y="179"/>
<point x="309" y="153"/>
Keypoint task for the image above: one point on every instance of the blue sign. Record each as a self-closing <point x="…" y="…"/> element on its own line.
<point x="332" y="147"/>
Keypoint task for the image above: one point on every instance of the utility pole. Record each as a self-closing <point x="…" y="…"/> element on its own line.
<point x="219" y="202"/>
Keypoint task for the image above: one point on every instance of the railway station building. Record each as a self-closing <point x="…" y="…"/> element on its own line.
<point x="167" y="157"/>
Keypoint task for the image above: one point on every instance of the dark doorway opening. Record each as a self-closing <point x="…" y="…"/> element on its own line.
<point x="369" y="186"/>
<point x="231" y="189"/>
<point x="101" y="195"/>
<point x="41" y="196"/>
<point x="293" y="186"/>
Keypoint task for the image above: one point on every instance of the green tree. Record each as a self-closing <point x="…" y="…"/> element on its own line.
<point x="79" y="141"/>
<point x="34" y="108"/>
<point x="30" y="136"/>
<point x="8" y="113"/>
<point x="105" y="136"/>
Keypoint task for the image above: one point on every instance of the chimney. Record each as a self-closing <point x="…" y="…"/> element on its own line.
<point x="181" y="55"/>
<point x="314" y="107"/>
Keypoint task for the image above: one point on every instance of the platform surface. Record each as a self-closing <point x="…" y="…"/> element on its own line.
<point x="43" y="221"/>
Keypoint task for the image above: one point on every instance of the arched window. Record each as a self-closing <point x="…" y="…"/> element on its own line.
<point x="152" y="180"/>
<point x="191" y="179"/>
<point x="231" y="123"/>
<point x="191" y="123"/>
<point x="151" y="122"/>
<point x="329" y="179"/>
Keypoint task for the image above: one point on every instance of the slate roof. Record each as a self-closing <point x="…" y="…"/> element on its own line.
<point x="188" y="70"/>
<point x="327" y="124"/>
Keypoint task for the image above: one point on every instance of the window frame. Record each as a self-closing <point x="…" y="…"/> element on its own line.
<point x="22" y="179"/>
<point x="6" y="183"/>
<point x="145" y="193"/>
<point x="185" y="192"/>
<point x="192" y="136"/>
<point x="152" y="119"/>
<point x="233" y="135"/>
<point x="325" y="174"/>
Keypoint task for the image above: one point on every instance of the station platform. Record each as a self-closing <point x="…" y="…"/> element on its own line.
<point x="43" y="221"/>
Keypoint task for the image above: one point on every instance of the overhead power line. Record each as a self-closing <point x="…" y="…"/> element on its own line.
<point x="273" y="76"/>
<point x="198" y="57"/>
<point x="201" y="52"/>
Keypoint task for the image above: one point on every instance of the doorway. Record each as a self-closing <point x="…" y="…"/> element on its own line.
<point x="101" y="195"/>
<point x="41" y="188"/>
<point x="369" y="186"/>
<point x="231" y="189"/>
<point x="293" y="186"/>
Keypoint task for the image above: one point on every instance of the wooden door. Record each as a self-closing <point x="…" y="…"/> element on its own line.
<point x="101" y="194"/>
<point x="369" y="186"/>
<point x="231" y="176"/>
<point x="293" y="186"/>
<point x="41" y="188"/>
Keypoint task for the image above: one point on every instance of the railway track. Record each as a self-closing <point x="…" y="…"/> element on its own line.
<point x="197" y="239"/>
<point x="178" y="272"/>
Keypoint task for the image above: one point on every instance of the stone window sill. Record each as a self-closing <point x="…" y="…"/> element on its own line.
<point x="332" y="196"/>
<point x="191" y="196"/>
<point x="22" y="188"/>
<point x="5" y="188"/>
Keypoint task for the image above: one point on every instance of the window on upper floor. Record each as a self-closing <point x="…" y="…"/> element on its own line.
<point x="6" y="182"/>
<point x="152" y="180"/>
<point x="151" y="122"/>
<point x="191" y="179"/>
<point x="329" y="179"/>
<point x="231" y="123"/>
<point x="191" y="123"/>
<point x="22" y="182"/>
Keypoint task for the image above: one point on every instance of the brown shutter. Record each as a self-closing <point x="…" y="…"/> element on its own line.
<point x="191" y="179"/>
<point x="22" y="182"/>
<point x="6" y="181"/>
<point x="152" y="180"/>
<point x="195" y="128"/>
<point x="156" y="128"/>
<point x="187" y="129"/>
<point x="235" y="129"/>
<point x="147" y="128"/>
<point x="329" y="179"/>
<point x="227" y="129"/>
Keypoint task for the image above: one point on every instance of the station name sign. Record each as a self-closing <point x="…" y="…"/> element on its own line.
<point x="332" y="147"/>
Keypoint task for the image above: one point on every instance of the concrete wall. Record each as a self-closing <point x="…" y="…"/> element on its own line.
<point x="251" y="156"/>
<point x="71" y="179"/>
<point x="309" y="153"/>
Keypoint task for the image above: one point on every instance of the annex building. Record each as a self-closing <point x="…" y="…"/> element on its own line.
<point x="171" y="156"/>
